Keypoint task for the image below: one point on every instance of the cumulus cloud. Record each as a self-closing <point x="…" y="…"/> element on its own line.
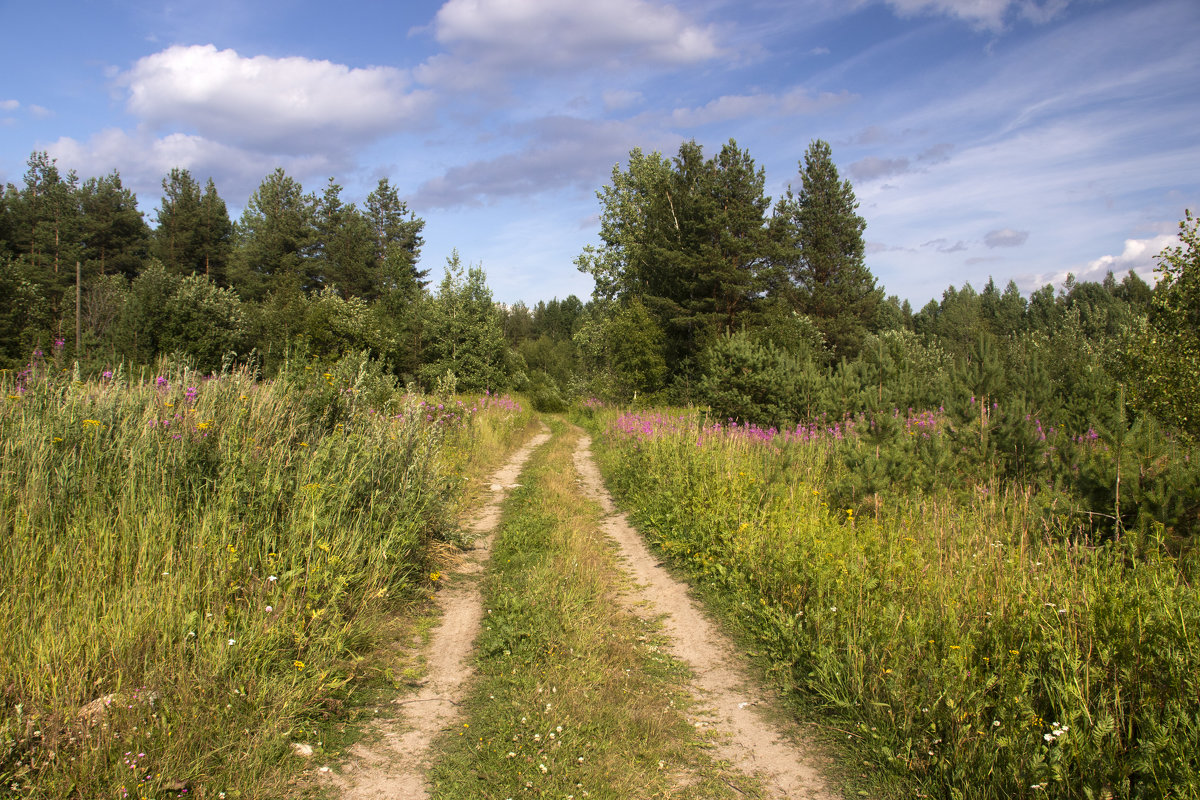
<point x="983" y="14"/>
<point x="485" y="38"/>
<point x="1138" y="255"/>
<point x="1005" y="237"/>
<point x="872" y="167"/>
<point x="9" y="105"/>
<point x="794" y="102"/>
<point x="290" y="104"/>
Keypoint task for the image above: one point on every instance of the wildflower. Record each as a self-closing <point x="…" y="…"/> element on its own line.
<point x="272" y="578"/>
<point x="995" y="723"/>
<point x="435" y="576"/>
<point x="270" y="609"/>
<point x="232" y="642"/>
<point x="92" y="422"/>
<point x="298" y="664"/>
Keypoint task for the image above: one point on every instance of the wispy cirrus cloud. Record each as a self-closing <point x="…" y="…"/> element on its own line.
<point x="991" y="15"/>
<point x="796" y="101"/>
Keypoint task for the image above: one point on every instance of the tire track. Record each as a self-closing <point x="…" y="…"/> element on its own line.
<point x="394" y="766"/>
<point x="745" y="737"/>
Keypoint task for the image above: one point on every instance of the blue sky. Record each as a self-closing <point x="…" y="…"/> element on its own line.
<point x="1020" y="139"/>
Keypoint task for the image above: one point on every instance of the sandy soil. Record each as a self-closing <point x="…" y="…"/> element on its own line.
<point x="393" y="764"/>
<point x="743" y="735"/>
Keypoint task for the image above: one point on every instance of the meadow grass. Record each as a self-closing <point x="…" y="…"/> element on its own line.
<point x="958" y="639"/>
<point x="198" y="572"/>
<point x="575" y="696"/>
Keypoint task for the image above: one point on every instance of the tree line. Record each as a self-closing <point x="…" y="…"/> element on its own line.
<point x="706" y="291"/>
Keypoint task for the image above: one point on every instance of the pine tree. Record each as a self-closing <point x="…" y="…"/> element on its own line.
<point x="824" y="233"/>
<point x="178" y="223"/>
<point x="214" y="237"/>
<point x="397" y="241"/>
<point x="274" y="236"/>
<point x="464" y="335"/>
<point x="343" y="249"/>
<point x="115" y="236"/>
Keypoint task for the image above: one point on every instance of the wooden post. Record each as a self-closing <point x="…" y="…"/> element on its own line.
<point x="78" y="338"/>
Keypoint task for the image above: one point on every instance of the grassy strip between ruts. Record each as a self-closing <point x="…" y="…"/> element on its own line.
<point x="575" y="696"/>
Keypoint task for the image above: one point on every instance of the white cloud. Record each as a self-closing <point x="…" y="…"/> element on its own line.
<point x="944" y="246"/>
<point x="41" y="112"/>
<point x="1005" y="237"/>
<point x="9" y="105"/>
<point x="487" y="38"/>
<point x="1138" y="255"/>
<point x="288" y="104"/>
<point x="936" y="153"/>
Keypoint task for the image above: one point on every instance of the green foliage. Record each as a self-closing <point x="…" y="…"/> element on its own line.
<point x="1163" y="361"/>
<point x="687" y="238"/>
<point x="274" y="234"/>
<point x="757" y="383"/>
<point x="463" y="332"/>
<point x="821" y="233"/>
<point x="545" y="394"/>
<point x="203" y="322"/>
<point x="633" y="347"/>
<point x="24" y="313"/>
<point x="114" y="235"/>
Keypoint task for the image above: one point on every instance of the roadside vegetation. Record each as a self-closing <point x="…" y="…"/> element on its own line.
<point x="971" y="640"/>
<point x="966" y="531"/>
<point x="198" y="571"/>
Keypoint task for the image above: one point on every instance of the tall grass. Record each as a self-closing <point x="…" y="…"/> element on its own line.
<point x="967" y="646"/>
<point x="195" y="568"/>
